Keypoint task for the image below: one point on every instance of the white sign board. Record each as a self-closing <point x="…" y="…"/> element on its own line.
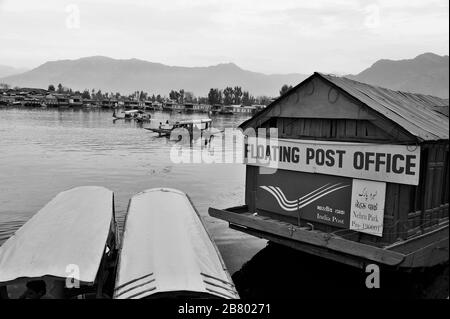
<point x="367" y="207"/>
<point x="379" y="162"/>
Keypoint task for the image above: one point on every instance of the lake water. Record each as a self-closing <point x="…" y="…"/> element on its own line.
<point x="46" y="151"/>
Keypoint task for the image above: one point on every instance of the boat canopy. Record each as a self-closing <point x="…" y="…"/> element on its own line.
<point x="72" y="229"/>
<point x="166" y="249"/>
<point x="194" y="121"/>
<point x="131" y="112"/>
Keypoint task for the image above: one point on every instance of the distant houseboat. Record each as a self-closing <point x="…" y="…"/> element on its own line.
<point x="216" y="108"/>
<point x="89" y="103"/>
<point x="173" y="106"/>
<point x="129" y="104"/>
<point x="197" y="108"/>
<point x="202" y="108"/>
<point x="157" y="106"/>
<point x="168" y="106"/>
<point x="238" y="109"/>
<point x="109" y="103"/>
<point x="75" y="101"/>
<point x="31" y="102"/>
<point x="148" y="105"/>
<point x="7" y="99"/>
<point x="189" y="107"/>
<point x="227" y="110"/>
<point x="250" y="110"/>
<point x="51" y="100"/>
<point x="63" y="101"/>
<point x="178" y="107"/>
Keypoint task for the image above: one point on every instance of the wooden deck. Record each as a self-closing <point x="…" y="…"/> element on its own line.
<point x="422" y="251"/>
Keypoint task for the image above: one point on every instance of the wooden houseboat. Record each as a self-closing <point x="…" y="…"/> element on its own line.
<point x="157" y="106"/>
<point x="358" y="174"/>
<point x="196" y="108"/>
<point x="130" y="104"/>
<point x="168" y="105"/>
<point x="216" y="108"/>
<point x="75" y="101"/>
<point x="63" y="100"/>
<point x="51" y="100"/>
<point x="32" y="102"/>
<point x="227" y="110"/>
<point x="204" y="108"/>
<point x="244" y="110"/>
<point x="148" y="105"/>
<point x="190" y="107"/>
<point x="109" y="103"/>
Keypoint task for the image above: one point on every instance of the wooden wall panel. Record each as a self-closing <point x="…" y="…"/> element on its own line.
<point x="326" y="129"/>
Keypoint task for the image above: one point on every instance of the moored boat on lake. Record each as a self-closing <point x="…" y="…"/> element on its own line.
<point x="69" y="247"/>
<point x="176" y="130"/>
<point x="167" y="251"/>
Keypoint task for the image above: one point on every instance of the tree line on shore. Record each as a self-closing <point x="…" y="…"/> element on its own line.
<point x="227" y="96"/>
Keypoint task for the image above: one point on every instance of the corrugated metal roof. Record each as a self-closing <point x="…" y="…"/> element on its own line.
<point x="423" y="116"/>
<point x="414" y="112"/>
<point x="441" y="109"/>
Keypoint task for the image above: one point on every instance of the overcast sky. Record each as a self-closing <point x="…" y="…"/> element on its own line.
<point x="278" y="36"/>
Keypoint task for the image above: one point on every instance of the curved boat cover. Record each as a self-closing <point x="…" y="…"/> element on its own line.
<point x="166" y="248"/>
<point x="72" y="229"/>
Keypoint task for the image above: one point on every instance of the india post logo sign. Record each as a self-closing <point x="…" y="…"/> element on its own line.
<point x="338" y="201"/>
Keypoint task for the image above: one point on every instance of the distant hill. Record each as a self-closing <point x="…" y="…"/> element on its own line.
<point x="427" y="73"/>
<point x="8" y="70"/>
<point x="127" y="76"/>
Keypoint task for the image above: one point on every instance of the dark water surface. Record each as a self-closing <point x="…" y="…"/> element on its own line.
<point x="46" y="151"/>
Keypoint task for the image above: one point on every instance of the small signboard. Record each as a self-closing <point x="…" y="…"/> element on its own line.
<point x="367" y="206"/>
<point x="386" y="163"/>
<point x="338" y="201"/>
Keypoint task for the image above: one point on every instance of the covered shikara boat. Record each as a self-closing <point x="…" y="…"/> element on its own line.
<point x="175" y="128"/>
<point x="70" y="244"/>
<point x="167" y="253"/>
<point x="127" y="115"/>
<point x="186" y="129"/>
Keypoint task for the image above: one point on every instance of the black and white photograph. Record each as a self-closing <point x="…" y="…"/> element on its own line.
<point x="224" y="156"/>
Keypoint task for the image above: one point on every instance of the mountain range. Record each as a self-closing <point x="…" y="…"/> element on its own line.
<point x="427" y="73"/>
<point x="126" y="76"/>
<point x="8" y="70"/>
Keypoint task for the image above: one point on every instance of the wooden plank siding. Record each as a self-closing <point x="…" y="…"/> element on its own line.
<point x="330" y="130"/>
<point x="434" y="203"/>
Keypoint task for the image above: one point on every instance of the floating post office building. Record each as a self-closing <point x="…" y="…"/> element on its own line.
<point x="357" y="174"/>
